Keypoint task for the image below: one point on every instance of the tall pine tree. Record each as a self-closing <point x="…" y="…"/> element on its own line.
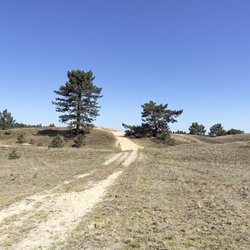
<point x="78" y="99"/>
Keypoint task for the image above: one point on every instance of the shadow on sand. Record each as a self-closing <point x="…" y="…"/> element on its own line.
<point x="66" y="133"/>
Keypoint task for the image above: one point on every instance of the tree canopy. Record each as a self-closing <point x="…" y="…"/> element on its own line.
<point x="6" y="120"/>
<point x="217" y="130"/>
<point x="157" y="117"/>
<point x="155" y="121"/>
<point x="78" y="99"/>
<point x="197" y="129"/>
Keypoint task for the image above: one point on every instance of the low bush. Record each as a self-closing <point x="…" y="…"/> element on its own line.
<point x="14" y="155"/>
<point x="21" y="138"/>
<point x="79" y="141"/>
<point x="57" y="142"/>
<point x="164" y="137"/>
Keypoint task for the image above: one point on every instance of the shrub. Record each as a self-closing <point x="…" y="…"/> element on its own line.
<point x="161" y="135"/>
<point x="164" y="137"/>
<point x="180" y="132"/>
<point x="233" y="131"/>
<point x="21" y="138"/>
<point x="137" y="131"/>
<point x="7" y="132"/>
<point x="39" y="144"/>
<point x="57" y="142"/>
<point x="87" y="129"/>
<point x="52" y="125"/>
<point x="79" y="141"/>
<point x="14" y="155"/>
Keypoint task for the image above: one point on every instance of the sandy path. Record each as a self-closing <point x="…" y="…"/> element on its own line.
<point x="124" y="142"/>
<point x="64" y="210"/>
<point x="65" y="213"/>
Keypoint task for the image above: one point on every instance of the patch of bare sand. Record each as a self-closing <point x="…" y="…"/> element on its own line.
<point x="124" y="143"/>
<point x="66" y="212"/>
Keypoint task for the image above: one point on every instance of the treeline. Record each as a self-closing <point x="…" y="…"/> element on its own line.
<point x="216" y="130"/>
<point x="7" y="122"/>
<point x="156" y="119"/>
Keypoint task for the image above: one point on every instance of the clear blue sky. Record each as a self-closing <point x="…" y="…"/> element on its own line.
<point x="191" y="54"/>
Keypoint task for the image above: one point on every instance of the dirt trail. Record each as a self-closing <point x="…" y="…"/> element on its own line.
<point x="129" y="148"/>
<point x="61" y="212"/>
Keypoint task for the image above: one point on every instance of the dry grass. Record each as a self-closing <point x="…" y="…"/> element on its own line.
<point x="193" y="196"/>
<point x="41" y="168"/>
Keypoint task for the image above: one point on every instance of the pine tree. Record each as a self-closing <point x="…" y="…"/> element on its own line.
<point x="6" y="120"/>
<point x="155" y="120"/>
<point x="197" y="129"/>
<point x="78" y="99"/>
<point x="157" y="117"/>
<point x="217" y="130"/>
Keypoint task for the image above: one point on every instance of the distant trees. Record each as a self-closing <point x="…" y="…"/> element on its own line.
<point x="6" y="120"/>
<point x="155" y="121"/>
<point x="197" y="129"/>
<point x="233" y="131"/>
<point x="78" y="99"/>
<point x="217" y="130"/>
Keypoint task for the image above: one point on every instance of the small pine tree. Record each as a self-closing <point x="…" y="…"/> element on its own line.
<point x="21" y="138"/>
<point x="79" y="141"/>
<point x="13" y="155"/>
<point x="57" y="142"/>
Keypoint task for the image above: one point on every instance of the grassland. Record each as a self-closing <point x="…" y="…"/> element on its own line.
<point x="41" y="168"/>
<point x="191" y="196"/>
<point x="194" y="195"/>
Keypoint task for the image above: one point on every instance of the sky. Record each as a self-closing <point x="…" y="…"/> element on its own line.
<point x="191" y="54"/>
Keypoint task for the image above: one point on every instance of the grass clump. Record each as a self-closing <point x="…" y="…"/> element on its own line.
<point x="57" y="142"/>
<point x="32" y="141"/>
<point x="13" y="155"/>
<point x="21" y="138"/>
<point x="79" y="141"/>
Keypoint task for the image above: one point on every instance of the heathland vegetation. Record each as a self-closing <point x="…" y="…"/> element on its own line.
<point x="59" y="187"/>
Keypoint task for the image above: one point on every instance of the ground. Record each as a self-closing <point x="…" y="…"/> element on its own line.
<point x="138" y="195"/>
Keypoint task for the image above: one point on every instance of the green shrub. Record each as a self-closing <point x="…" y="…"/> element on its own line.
<point x="79" y="141"/>
<point x="57" y="142"/>
<point x="21" y="138"/>
<point x="164" y="137"/>
<point x="233" y="131"/>
<point x="13" y="155"/>
<point x="7" y="132"/>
